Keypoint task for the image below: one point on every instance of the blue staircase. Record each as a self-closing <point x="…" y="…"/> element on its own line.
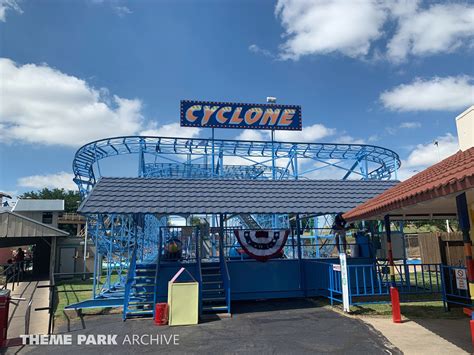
<point x="213" y="292"/>
<point x="142" y="295"/>
<point x="139" y="296"/>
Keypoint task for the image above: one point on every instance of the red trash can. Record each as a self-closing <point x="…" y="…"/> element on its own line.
<point x="161" y="313"/>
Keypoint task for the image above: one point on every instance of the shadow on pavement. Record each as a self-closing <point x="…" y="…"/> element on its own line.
<point x="455" y="331"/>
<point x="239" y="307"/>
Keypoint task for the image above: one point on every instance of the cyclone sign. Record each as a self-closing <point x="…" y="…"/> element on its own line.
<point x="262" y="244"/>
<point x="239" y="115"/>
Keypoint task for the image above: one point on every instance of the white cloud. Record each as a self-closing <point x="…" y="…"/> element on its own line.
<point x="7" y="5"/>
<point x="122" y="10"/>
<point x="352" y="28"/>
<point x="258" y="50"/>
<point x="437" y="29"/>
<point x="410" y="125"/>
<point x="253" y="135"/>
<point x="43" y="105"/>
<point x="448" y="93"/>
<point x="346" y="139"/>
<point x="171" y="130"/>
<point x="327" y="26"/>
<point x="312" y="133"/>
<point x="61" y="180"/>
<point x="425" y="155"/>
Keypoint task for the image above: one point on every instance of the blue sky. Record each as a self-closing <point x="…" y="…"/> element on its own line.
<point x="392" y="73"/>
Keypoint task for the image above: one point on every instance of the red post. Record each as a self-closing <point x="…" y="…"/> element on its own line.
<point x="4" y="305"/>
<point x="394" y="295"/>
<point x="396" y="313"/>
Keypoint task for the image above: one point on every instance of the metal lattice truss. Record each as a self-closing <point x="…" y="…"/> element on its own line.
<point x="197" y="157"/>
<point x="122" y="238"/>
<point x="116" y="237"/>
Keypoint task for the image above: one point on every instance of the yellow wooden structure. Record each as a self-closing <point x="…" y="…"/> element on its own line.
<point x="183" y="300"/>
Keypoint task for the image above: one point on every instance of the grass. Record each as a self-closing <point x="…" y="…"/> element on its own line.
<point x="76" y="290"/>
<point x="411" y="310"/>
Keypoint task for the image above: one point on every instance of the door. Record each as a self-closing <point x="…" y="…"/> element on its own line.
<point x="67" y="261"/>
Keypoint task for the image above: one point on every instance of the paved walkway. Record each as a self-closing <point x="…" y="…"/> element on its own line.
<point x="266" y="327"/>
<point x="38" y="319"/>
<point x="428" y="336"/>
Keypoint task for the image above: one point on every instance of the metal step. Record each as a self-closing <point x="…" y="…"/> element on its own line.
<point x="217" y="290"/>
<point x="211" y="275"/>
<point x="213" y="299"/>
<point x="140" y="314"/>
<point x="214" y="308"/>
<point x="212" y="282"/>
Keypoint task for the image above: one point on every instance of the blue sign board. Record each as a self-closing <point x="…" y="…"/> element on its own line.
<point x="239" y="115"/>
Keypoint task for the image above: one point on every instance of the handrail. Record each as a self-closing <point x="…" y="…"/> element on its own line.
<point x="387" y="161"/>
<point x="226" y="276"/>
<point x="27" y="317"/>
<point x="157" y="269"/>
<point x="128" y="285"/>
<point x="18" y="269"/>
<point x="198" y="260"/>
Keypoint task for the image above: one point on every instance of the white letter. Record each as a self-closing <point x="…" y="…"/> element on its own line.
<point x="157" y="339"/>
<point x="112" y="339"/>
<point x="142" y="342"/>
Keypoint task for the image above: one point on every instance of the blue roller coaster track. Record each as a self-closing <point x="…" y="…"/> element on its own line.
<point x="198" y="157"/>
<point x="124" y="241"/>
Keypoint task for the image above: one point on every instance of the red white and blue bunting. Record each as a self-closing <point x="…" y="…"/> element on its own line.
<point x="262" y="244"/>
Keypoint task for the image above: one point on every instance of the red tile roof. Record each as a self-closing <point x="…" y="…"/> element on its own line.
<point x="451" y="175"/>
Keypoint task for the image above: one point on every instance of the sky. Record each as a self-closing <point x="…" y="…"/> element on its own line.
<point x="388" y="73"/>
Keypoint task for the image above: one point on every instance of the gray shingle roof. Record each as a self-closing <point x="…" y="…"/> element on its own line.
<point x="31" y="205"/>
<point x="181" y="196"/>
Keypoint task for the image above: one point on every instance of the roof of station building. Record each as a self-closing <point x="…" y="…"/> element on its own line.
<point x="38" y="205"/>
<point x="13" y="225"/>
<point x="436" y="183"/>
<point x="214" y="196"/>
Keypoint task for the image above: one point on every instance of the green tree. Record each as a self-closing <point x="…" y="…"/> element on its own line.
<point x="71" y="198"/>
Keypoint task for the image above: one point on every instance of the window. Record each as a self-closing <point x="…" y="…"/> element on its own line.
<point x="47" y="217"/>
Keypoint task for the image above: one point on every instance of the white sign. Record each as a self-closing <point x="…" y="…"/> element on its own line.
<point x="336" y="267"/>
<point x="461" y="280"/>
<point x="345" y="283"/>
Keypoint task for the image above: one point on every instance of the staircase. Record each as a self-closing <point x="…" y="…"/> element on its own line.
<point x="142" y="292"/>
<point x="213" y="291"/>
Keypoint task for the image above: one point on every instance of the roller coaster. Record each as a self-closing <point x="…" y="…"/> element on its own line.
<point x="123" y="241"/>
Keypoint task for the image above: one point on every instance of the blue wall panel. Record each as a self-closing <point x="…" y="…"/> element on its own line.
<point x="275" y="278"/>
<point x="251" y="279"/>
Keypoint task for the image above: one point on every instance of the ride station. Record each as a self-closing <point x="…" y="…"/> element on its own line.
<point x="247" y="220"/>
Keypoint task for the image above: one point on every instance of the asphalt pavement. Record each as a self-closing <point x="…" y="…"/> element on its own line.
<point x="262" y="327"/>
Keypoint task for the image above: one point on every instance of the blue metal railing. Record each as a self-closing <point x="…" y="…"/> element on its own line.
<point x="369" y="282"/>
<point x="157" y="270"/>
<point x="199" y="272"/>
<point x="225" y="276"/>
<point x="128" y="285"/>
<point x="451" y="293"/>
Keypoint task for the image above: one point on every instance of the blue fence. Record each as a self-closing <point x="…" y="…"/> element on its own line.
<point x="452" y="294"/>
<point x="369" y="283"/>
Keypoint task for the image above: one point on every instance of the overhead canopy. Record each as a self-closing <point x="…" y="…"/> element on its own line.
<point x="13" y="225"/>
<point x="202" y="196"/>
<point x="34" y="205"/>
<point x="429" y="194"/>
